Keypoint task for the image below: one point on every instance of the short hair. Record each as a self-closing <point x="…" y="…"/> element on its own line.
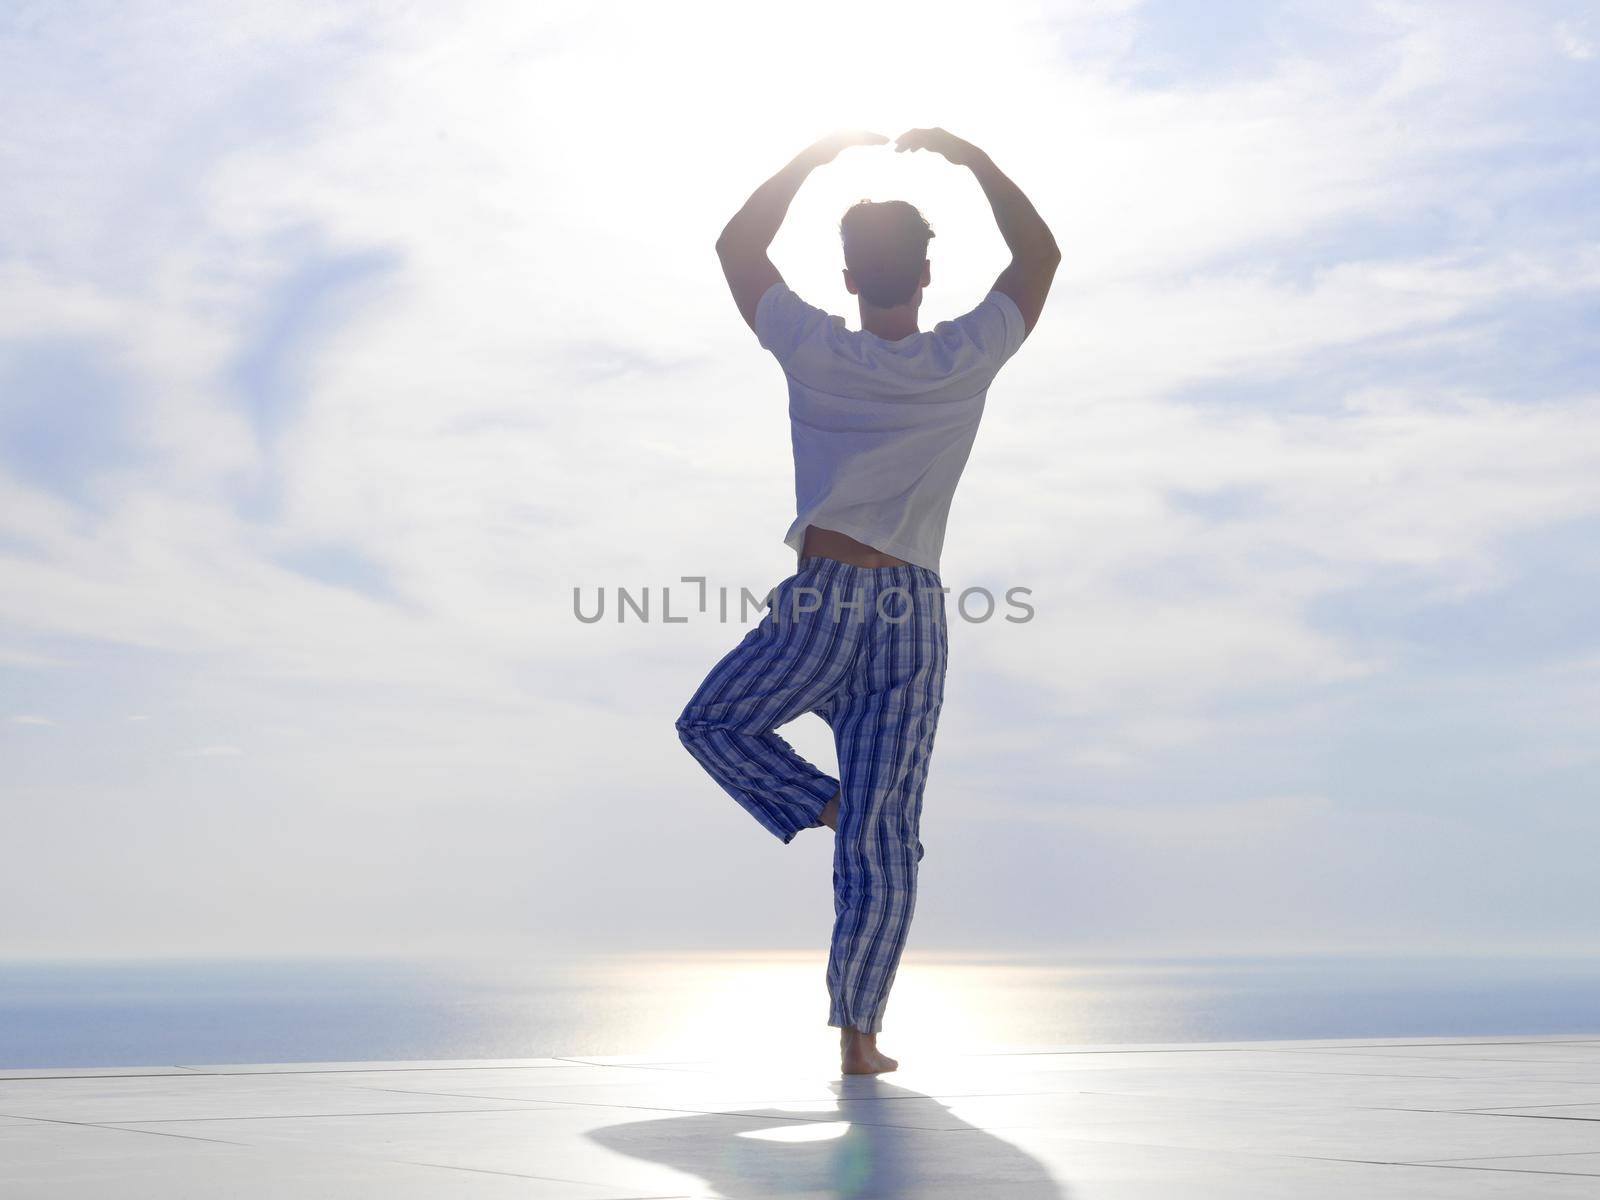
<point x="885" y="245"/>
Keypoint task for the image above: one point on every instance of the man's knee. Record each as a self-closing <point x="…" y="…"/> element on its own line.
<point x="687" y="727"/>
<point x="884" y="841"/>
<point x="699" y="721"/>
<point x="692" y="724"/>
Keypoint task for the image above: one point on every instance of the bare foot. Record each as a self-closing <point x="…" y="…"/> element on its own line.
<point x="859" y="1054"/>
<point x="830" y="813"/>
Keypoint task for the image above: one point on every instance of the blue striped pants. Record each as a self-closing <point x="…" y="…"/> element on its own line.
<point x="865" y="649"/>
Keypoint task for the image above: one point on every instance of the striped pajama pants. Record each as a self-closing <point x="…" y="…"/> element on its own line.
<point x="865" y="649"/>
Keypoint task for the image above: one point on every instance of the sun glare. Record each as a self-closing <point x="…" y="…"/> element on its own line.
<point x="751" y="88"/>
<point x="727" y="1006"/>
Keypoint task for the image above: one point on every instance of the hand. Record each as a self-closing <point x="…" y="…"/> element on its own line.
<point x="940" y="141"/>
<point x="826" y="150"/>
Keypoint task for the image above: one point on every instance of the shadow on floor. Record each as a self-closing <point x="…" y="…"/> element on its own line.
<point x="851" y="1154"/>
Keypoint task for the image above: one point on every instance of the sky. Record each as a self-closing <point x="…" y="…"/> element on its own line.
<point x="340" y="344"/>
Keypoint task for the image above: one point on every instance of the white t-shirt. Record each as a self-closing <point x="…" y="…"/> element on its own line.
<point x="882" y="429"/>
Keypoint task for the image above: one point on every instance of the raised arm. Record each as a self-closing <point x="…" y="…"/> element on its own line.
<point x="1034" y="253"/>
<point x="743" y="244"/>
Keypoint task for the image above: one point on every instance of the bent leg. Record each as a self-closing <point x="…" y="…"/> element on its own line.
<point x="779" y="671"/>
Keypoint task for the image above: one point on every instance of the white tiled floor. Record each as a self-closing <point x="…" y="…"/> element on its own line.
<point x="1502" y="1117"/>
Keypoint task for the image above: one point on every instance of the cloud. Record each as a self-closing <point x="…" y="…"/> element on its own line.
<point x="337" y="359"/>
<point x="1576" y="39"/>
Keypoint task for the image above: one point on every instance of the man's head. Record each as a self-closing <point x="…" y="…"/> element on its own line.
<point x="885" y="252"/>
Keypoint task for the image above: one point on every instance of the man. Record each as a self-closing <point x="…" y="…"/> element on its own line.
<point x="882" y="421"/>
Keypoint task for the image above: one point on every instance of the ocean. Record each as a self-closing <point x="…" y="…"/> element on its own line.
<point x="210" y="1011"/>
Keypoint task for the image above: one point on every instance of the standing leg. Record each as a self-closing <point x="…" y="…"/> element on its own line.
<point x="884" y="723"/>
<point x="786" y="666"/>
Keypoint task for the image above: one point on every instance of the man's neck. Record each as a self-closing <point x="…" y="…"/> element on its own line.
<point x="891" y="324"/>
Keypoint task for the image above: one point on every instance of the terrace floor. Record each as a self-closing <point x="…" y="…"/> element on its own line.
<point x="1441" y="1117"/>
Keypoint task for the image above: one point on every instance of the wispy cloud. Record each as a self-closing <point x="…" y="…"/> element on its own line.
<point x="335" y="358"/>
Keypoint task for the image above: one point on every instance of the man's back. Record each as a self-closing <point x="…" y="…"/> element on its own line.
<point x="882" y="429"/>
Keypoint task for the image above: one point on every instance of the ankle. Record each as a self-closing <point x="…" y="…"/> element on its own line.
<point x="830" y="813"/>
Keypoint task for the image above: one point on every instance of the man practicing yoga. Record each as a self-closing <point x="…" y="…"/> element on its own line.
<point x="882" y="421"/>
